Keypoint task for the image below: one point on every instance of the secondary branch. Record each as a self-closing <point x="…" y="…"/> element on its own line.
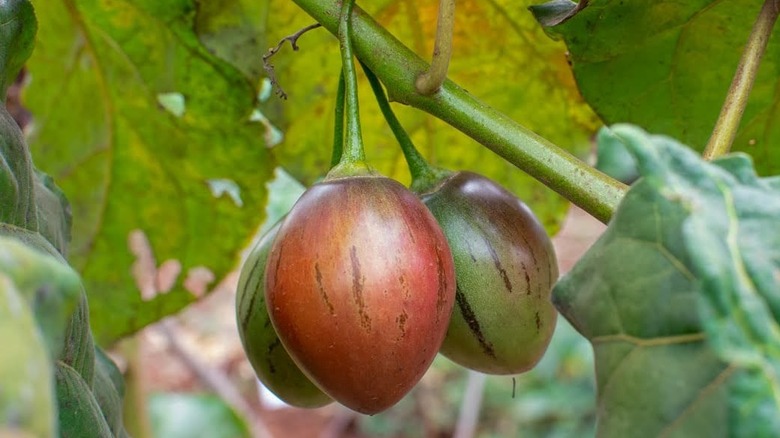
<point x="398" y="67"/>
<point x="430" y="81"/>
<point x="736" y="100"/>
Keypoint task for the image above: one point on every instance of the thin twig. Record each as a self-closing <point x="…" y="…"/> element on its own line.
<point x="736" y="100"/>
<point x="430" y="81"/>
<point x="471" y="406"/>
<point x="269" y="68"/>
<point x="212" y="378"/>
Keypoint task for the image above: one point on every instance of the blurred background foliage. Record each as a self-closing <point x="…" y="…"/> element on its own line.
<point x="555" y="399"/>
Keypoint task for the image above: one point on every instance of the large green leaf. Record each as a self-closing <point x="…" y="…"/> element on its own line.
<point x="500" y="55"/>
<point x="680" y="300"/>
<point x="235" y="31"/>
<point x="666" y="65"/>
<point x="614" y="159"/>
<point x="145" y="129"/>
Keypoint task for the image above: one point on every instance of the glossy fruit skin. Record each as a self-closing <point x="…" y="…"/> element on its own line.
<point x="506" y="266"/>
<point x="360" y="285"/>
<point x="265" y="352"/>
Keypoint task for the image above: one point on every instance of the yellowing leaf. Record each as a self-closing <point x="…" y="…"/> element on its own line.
<point x="129" y="161"/>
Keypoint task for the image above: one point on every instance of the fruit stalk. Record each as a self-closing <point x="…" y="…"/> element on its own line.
<point x="338" y="124"/>
<point x="398" y="67"/>
<point x="424" y="176"/>
<point x="736" y="100"/>
<point x="353" y="145"/>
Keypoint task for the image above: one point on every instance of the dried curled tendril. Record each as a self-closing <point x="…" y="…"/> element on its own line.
<point x="269" y="68"/>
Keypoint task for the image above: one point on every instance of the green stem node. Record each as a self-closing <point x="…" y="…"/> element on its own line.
<point x="398" y="68"/>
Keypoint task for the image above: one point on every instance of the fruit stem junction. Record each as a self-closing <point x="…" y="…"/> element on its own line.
<point x="736" y="100"/>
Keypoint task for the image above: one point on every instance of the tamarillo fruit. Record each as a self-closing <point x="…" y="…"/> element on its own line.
<point x="505" y="265"/>
<point x="360" y="286"/>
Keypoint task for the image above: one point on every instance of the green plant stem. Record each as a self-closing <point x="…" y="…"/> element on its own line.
<point x="135" y="410"/>
<point x="353" y="145"/>
<point x="430" y="81"/>
<point x="398" y="67"/>
<point x="737" y="98"/>
<point x="424" y="176"/>
<point x="338" y="124"/>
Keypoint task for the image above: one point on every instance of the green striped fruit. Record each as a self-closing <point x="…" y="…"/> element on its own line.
<point x="26" y="384"/>
<point x="505" y="265"/>
<point x="359" y="286"/>
<point x="79" y="413"/>
<point x="268" y="357"/>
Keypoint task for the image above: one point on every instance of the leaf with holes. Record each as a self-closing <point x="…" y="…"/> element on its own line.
<point x="664" y="295"/>
<point x="145" y="129"/>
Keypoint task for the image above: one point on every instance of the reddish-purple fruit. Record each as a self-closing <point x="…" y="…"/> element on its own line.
<point x="360" y="286"/>
<point x="505" y="264"/>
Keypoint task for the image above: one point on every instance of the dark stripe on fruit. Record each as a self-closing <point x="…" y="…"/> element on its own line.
<point x="471" y="320"/>
<point x="527" y="278"/>
<point x="538" y="322"/>
<point x="247" y="311"/>
<point x="401" y="321"/>
<point x="321" y="289"/>
<point x="530" y="249"/>
<point x="404" y="286"/>
<point x="470" y="250"/>
<point x="441" y="297"/>
<point x="357" y="289"/>
<point x="273" y="346"/>
<point x="501" y="270"/>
